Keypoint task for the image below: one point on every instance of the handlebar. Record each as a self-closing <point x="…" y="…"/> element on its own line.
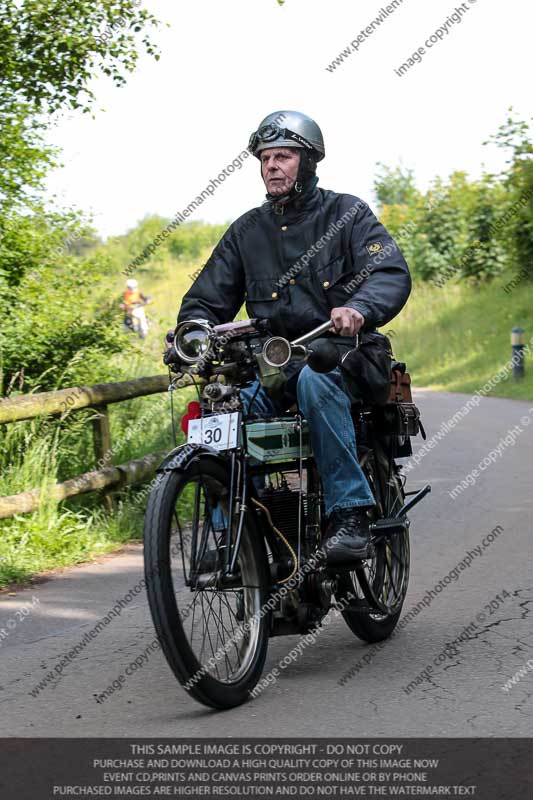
<point x="277" y="350"/>
<point x="323" y="356"/>
<point x="314" y="334"/>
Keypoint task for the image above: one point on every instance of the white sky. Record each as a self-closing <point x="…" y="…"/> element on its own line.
<point x="225" y="64"/>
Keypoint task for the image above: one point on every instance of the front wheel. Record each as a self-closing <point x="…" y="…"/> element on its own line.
<point x="213" y="631"/>
<point x="381" y="582"/>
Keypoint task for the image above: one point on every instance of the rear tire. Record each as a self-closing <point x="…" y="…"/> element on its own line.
<point x="369" y="583"/>
<point x="173" y="556"/>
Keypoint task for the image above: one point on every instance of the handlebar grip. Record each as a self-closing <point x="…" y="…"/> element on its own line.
<point x="170" y="357"/>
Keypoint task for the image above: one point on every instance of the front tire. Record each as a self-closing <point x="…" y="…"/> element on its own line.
<point x="214" y="637"/>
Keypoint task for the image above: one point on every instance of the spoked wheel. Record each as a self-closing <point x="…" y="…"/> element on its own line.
<point x="381" y="582"/>
<point x="212" y="629"/>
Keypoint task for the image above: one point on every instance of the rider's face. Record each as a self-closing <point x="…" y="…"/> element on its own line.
<point x="279" y="168"/>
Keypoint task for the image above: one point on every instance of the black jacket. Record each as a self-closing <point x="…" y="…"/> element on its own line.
<point x="349" y="259"/>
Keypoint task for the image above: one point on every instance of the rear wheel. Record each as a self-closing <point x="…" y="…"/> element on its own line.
<point x="213" y="631"/>
<point x="381" y="582"/>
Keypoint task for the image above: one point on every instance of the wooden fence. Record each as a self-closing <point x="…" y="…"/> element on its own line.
<point x="97" y="397"/>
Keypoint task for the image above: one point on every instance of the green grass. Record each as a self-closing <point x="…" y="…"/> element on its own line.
<point x="455" y="338"/>
<point x="55" y="537"/>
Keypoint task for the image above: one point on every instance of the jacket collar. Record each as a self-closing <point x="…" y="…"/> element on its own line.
<point x="298" y="205"/>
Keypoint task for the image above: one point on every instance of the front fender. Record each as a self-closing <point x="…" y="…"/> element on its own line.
<point x="181" y="456"/>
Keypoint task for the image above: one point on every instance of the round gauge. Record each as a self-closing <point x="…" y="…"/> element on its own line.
<point x="277" y="351"/>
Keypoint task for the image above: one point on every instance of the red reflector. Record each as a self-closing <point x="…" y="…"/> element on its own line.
<point x="193" y="412"/>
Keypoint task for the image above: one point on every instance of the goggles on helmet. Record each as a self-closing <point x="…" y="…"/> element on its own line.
<point x="269" y="133"/>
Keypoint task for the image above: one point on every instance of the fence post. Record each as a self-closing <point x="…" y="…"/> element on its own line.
<point x="102" y="450"/>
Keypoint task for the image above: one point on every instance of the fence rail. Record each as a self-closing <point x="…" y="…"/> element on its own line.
<point x="101" y="394"/>
<point x="97" y="397"/>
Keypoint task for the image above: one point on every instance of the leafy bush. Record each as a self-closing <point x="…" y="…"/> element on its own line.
<point x="56" y="308"/>
<point x="191" y="239"/>
<point x="515" y="224"/>
<point x="463" y="228"/>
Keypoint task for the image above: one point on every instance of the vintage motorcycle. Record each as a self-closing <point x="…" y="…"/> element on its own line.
<point x="235" y="518"/>
<point x="135" y="319"/>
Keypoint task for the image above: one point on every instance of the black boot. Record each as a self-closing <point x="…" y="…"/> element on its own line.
<point x="347" y="537"/>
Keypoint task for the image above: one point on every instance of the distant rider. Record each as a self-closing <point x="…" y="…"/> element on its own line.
<point x="133" y="306"/>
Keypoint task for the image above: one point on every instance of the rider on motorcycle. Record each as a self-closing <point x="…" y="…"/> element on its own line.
<point x="306" y="255"/>
<point x="133" y="303"/>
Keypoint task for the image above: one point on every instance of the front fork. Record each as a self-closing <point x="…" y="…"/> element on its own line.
<point x="228" y="518"/>
<point x="236" y="507"/>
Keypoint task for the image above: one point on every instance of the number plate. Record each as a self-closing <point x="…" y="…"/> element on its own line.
<point x="220" y="431"/>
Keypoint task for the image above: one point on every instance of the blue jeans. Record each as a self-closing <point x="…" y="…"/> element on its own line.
<point x="323" y="401"/>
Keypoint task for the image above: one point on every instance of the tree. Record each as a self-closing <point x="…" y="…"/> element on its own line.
<point x="54" y="286"/>
<point x="50" y="50"/>
<point x="24" y="157"/>
<point x="515" y="221"/>
<point x="448" y="231"/>
<point x="394" y="185"/>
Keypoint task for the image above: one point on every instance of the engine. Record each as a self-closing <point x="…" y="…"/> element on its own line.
<point x="283" y="505"/>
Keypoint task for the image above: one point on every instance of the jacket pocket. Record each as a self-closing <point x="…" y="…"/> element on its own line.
<point x="337" y="280"/>
<point x="261" y="297"/>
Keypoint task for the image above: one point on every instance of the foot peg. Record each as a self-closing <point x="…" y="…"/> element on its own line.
<point x="389" y="526"/>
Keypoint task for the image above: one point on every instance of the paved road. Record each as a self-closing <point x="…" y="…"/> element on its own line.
<point x="463" y="696"/>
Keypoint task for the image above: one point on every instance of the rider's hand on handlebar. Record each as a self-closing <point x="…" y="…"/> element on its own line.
<point x="170" y="357"/>
<point x="169" y="338"/>
<point x="347" y="321"/>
